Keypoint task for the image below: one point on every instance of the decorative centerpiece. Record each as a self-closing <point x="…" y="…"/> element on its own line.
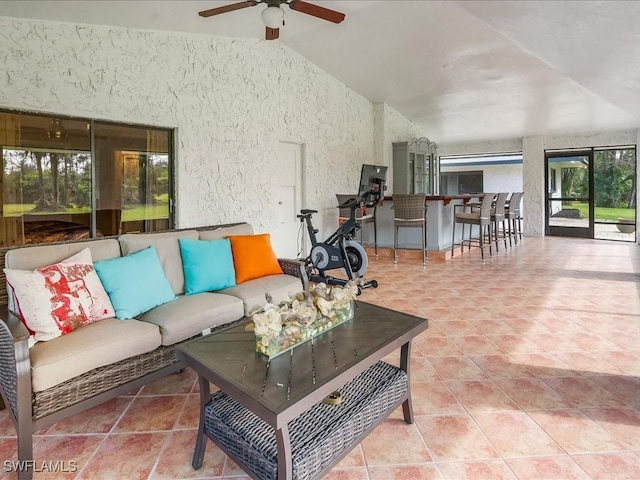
<point x="279" y="328"/>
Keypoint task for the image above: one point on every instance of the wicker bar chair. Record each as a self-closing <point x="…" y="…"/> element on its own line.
<point x="498" y="218"/>
<point x="361" y="219"/>
<point x="512" y="214"/>
<point x="480" y="215"/>
<point x="410" y="211"/>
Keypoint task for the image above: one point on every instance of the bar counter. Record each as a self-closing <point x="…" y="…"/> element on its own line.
<point x="439" y="224"/>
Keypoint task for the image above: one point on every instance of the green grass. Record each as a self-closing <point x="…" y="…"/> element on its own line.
<point x="148" y="212"/>
<point x="603" y="213"/>
<point x="139" y="212"/>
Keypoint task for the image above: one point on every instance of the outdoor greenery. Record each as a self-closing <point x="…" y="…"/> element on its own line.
<point x="51" y="182"/>
<point x="37" y="182"/>
<point x="604" y="213"/>
<point x="613" y="178"/>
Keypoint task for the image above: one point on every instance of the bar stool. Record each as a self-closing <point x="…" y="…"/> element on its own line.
<point x="479" y="215"/>
<point x="410" y="211"/>
<point x="361" y="219"/>
<point x="498" y="217"/>
<point x="512" y="213"/>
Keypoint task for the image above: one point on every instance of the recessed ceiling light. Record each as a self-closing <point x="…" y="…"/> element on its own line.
<point x="447" y="66"/>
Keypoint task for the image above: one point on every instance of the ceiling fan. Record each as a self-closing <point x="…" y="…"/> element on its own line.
<point x="273" y="15"/>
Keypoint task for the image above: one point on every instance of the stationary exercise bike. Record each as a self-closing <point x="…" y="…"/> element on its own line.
<point x="340" y="250"/>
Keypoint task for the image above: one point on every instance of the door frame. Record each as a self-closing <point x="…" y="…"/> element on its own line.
<point x="301" y="185"/>
<point x="581" y="232"/>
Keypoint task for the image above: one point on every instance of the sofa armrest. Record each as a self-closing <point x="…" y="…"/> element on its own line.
<point x="15" y="365"/>
<point x="295" y="268"/>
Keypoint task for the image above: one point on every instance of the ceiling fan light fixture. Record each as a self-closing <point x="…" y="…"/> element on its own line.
<point x="273" y="17"/>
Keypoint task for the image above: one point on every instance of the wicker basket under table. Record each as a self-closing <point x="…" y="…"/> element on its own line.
<point x="319" y="437"/>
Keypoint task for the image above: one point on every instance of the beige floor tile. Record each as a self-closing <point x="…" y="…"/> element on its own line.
<point x="481" y="396"/>
<point x="575" y="432"/>
<point x="455" y="438"/>
<point x="606" y="466"/>
<point x="515" y="434"/>
<point x="128" y="456"/>
<point x="488" y="469"/>
<point x="405" y="472"/>
<point x="395" y="442"/>
<point x="560" y="467"/>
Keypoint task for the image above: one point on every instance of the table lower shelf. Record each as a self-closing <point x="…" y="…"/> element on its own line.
<point x="318" y="438"/>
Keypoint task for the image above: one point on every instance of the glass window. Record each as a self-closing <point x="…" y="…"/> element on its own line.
<point x="56" y="187"/>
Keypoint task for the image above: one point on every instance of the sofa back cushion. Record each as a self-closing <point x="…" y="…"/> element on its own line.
<point x="223" y="232"/>
<point x="33" y="257"/>
<point x="167" y="248"/>
<point x="57" y="299"/>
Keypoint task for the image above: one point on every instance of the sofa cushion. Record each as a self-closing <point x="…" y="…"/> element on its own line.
<point x="223" y="232"/>
<point x="32" y="257"/>
<point x="135" y="283"/>
<point x="57" y="299"/>
<point x="252" y="292"/>
<point x="207" y="265"/>
<point x="94" y="345"/>
<point x="166" y="245"/>
<point x="253" y="257"/>
<point x="190" y="315"/>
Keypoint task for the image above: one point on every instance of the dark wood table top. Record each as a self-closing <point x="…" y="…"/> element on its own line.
<point x="282" y="388"/>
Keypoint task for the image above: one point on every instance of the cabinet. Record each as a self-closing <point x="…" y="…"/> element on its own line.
<point x="415" y="167"/>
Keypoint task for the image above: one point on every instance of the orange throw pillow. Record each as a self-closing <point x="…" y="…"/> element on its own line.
<point x="253" y="257"/>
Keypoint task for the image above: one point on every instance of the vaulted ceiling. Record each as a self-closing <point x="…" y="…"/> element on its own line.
<point x="464" y="71"/>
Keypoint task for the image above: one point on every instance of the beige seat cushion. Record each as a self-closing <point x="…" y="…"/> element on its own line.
<point x="91" y="346"/>
<point x="168" y="249"/>
<point x="189" y="315"/>
<point x="242" y="229"/>
<point x="252" y="292"/>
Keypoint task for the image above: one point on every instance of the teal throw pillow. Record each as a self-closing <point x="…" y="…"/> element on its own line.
<point x="135" y="283"/>
<point x="207" y="265"/>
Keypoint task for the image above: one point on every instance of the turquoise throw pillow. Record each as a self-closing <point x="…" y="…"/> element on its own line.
<point x="207" y="265"/>
<point x="135" y="283"/>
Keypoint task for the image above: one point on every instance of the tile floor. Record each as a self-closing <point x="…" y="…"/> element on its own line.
<point x="530" y="369"/>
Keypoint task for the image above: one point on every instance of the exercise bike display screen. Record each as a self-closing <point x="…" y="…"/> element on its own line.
<point x="370" y="176"/>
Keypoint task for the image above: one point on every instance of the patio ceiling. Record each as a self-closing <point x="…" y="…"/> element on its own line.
<point x="464" y="71"/>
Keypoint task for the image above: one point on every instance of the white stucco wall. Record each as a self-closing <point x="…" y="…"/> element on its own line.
<point x="232" y="102"/>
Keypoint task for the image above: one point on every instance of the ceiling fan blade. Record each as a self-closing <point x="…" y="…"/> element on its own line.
<point x="227" y="8"/>
<point x="317" y="11"/>
<point x="272" y="33"/>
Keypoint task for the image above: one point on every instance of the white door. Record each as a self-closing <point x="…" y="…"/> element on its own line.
<point x="284" y="236"/>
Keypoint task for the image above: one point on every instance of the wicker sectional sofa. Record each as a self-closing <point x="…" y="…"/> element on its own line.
<point x="53" y="380"/>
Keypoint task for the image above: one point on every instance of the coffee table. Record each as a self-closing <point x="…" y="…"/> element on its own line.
<point x="283" y="388"/>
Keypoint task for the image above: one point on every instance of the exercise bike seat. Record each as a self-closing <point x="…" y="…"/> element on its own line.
<point x="304" y="211"/>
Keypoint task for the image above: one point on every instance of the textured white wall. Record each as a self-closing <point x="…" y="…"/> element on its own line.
<point x="231" y="101"/>
<point x="534" y="187"/>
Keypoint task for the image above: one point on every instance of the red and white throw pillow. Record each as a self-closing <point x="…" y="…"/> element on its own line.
<point x="59" y="298"/>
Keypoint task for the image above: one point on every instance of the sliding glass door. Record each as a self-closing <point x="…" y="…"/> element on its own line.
<point x="592" y="193"/>
<point x="614" y="186"/>
<point x="569" y="194"/>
